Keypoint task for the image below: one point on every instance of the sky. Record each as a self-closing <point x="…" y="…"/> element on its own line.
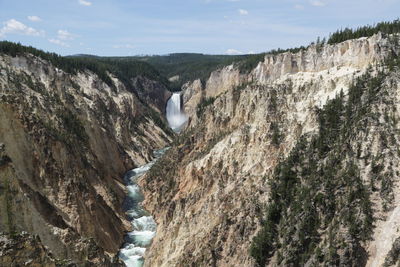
<point x="150" y="27"/>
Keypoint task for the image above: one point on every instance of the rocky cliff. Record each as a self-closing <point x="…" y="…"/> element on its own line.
<point x="250" y="134"/>
<point x="66" y="140"/>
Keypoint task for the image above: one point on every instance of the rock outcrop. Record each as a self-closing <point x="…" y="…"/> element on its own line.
<point x="328" y="66"/>
<point x="24" y="250"/>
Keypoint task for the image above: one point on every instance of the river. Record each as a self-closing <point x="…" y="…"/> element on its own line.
<point x="143" y="224"/>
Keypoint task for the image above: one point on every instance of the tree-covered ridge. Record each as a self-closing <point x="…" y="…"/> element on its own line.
<point x="123" y="70"/>
<point x="365" y="31"/>
<point x="128" y="70"/>
<point x="188" y="66"/>
<point x="319" y="209"/>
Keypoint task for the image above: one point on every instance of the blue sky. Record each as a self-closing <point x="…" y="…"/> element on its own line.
<point x="133" y="27"/>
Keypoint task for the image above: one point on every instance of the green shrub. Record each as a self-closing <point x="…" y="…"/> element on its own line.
<point x="203" y="104"/>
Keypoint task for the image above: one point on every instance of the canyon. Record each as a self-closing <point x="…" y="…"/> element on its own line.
<point x="68" y="139"/>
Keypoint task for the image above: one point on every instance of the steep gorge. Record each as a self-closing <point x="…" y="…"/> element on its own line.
<point x="66" y="139"/>
<point x="294" y="161"/>
<point x="209" y="193"/>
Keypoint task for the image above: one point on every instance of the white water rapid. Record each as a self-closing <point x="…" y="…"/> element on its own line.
<point x="144" y="227"/>
<point x="175" y="116"/>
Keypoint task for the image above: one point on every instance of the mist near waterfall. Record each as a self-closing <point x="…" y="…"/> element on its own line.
<point x="175" y="116"/>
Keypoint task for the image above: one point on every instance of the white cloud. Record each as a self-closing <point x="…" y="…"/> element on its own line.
<point x="34" y="18"/>
<point x="65" y="35"/>
<point x="232" y="51"/>
<point x="84" y="3"/>
<point x="299" y="7"/>
<point x="128" y="46"/>
<point x="243" y="12"/>
<point x="13" y="26"/>
<point x="58" y="42"/>
<point x="62" y="36"/>
<point x="317" y="3"/>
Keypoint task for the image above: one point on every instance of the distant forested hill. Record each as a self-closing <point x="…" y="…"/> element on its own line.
<point x="188" y="66"/>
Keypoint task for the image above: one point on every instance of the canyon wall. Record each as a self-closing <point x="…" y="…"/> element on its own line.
<point x="210" y="200"/>
<point x="66" y="141"/>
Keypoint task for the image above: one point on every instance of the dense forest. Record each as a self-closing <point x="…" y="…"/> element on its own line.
<point x="185" y="66"/>
<point x="365" y="31"/>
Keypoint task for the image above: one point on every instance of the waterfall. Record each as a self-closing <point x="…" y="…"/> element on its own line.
<point x="175" y="116"/>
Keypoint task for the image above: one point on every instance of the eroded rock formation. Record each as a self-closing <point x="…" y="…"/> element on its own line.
<point x="210" y="202"/>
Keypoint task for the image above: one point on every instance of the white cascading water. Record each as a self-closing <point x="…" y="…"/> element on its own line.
<point x="144" y="227"/>
<point x="175" y="116"/>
